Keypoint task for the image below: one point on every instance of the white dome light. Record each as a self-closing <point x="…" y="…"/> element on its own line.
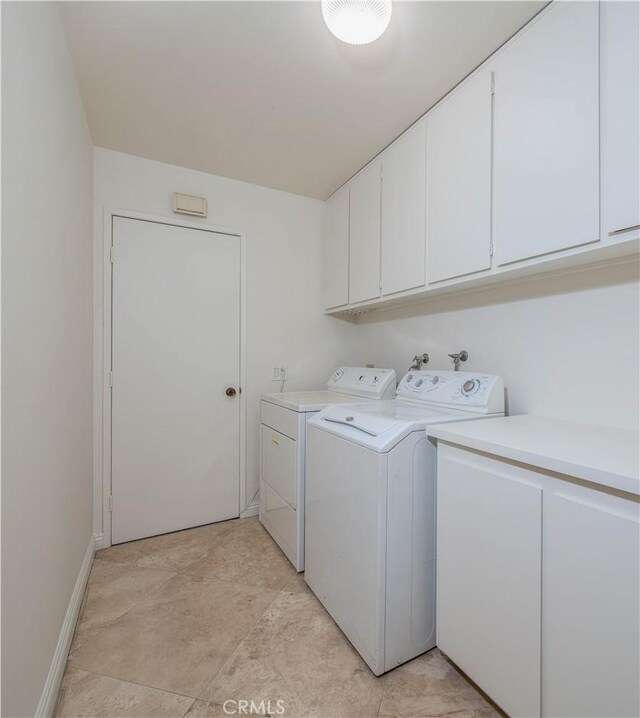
<point x="357" y="22"/>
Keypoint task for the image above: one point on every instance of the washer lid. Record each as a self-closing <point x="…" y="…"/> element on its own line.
<point x="372" y="424"/>
<point x="380" y="425"/>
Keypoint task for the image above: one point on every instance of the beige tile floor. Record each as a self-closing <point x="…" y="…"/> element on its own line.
<point x="176" y="625"/>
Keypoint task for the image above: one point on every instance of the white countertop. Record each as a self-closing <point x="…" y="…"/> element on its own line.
<point x="600" y="454"/>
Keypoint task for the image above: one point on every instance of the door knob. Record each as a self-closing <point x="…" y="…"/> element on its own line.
<point x="230" y="391"/>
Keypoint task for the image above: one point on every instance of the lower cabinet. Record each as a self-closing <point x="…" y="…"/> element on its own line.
<point x="488" y="578"/>
<point x="590" y="605"/>
<point x="538" y="588"/>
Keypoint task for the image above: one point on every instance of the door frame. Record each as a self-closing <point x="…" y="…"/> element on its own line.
<point x="102" y="434"/>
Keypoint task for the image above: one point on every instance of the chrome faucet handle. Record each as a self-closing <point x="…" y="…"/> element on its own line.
<point x="419" y="360"/>
<point x="462" y="355"/>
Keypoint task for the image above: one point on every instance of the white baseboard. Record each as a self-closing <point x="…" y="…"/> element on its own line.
<point x="100" y="541"/>
<point x="56" y="671"/>
<point x="251" y="510"/>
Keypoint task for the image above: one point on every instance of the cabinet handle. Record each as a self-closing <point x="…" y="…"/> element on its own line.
<point x="275" y="441"/>
<point x="624" y="229"/>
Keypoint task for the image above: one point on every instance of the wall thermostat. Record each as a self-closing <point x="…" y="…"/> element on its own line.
<point x="187" y="204"/>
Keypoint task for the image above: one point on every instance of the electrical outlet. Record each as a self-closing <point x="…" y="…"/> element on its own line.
<point x="279" y="372"/>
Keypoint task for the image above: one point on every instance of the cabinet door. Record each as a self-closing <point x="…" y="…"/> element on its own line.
<point x="590" y="606"/>
<point x="403" y="213"/>
<point x="620" y="77"/>
<point x="364" y="240"/>
<point x="459" y="182"/>
<point x="336" y="250"/>
<point x="546" y="136"/>
<point x="488" y="577"/>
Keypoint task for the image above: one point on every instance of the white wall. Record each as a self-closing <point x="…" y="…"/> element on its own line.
<point x="46" y="343"/>
<point x="567" y="346"/>
<point x="284" y="323"/>
<point x="549" y="337"/>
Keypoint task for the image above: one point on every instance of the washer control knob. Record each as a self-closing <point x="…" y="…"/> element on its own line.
<point x="469" y="386"/>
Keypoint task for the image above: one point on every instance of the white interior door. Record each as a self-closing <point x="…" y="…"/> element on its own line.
<point x="175" y="351"/>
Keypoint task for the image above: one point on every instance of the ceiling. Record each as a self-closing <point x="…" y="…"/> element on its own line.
<point x="261" y="91"/>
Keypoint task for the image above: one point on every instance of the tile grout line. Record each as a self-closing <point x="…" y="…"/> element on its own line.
<point x="136" y="683"/>
<point x="132" y="566"/>
<point x="181" y="572"/>
<point x="233" y="583"/>
<point x="194" y="699"/>
<point x="382" y="695"/>
<point x="253" y="625"/>
<point x="224" y="534"/>
<point x="117" y="618"/>
<point x="206" y="681"/>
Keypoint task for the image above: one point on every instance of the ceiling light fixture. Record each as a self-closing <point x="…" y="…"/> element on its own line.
<point x="357" y="22"/>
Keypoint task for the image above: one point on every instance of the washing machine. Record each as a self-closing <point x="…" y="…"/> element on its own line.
<point x="370" y="553"/>
<point x="283" y="419"/>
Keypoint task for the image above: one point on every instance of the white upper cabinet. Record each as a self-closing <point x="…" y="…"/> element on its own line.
<point x="364" y="241"/>
<point x="403" y="213"/>
<point x="546" y="136"/>
<point x="335" y="249"/>
<point x="620" y="77"/>
<point x="459" y="182"/>
<point x="536" y="153"/>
